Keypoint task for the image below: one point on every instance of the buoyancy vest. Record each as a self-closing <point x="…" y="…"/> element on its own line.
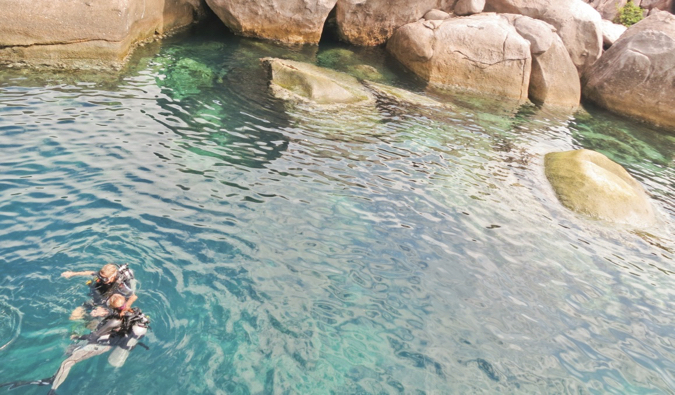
<point x="101" y="291"/>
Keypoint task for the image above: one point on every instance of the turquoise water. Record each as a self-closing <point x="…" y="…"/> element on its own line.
<point x="284" y="250"/>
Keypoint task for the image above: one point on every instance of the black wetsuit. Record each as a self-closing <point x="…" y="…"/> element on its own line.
<point x="100" y="292"/>
<point x="112" y="331"/>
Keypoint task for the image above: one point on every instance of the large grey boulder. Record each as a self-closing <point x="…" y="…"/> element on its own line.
<point x="611" y="32"/>
<point x="636" y="76"/>
<point x="469" y="7"/>
<point x="481" y="53"/>
<point x="86" y="33"/>
<point x="609" y="9"/>
<point x="436" y="15"/>
<point x="306" y="83"/>
<point x="589" y="183"/>
<point x="663" y="5"/>
<point x="540" y="34"/>
<point x="554" y="79"/>
<point x="288" y="21"/>
<point x="577" y="23"/>
<point x="372" y="22"/>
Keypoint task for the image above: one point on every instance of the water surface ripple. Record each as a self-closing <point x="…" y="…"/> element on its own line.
<point x="281" y="249"/>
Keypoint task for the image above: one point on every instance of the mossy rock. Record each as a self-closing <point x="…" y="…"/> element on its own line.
<point x="188" y="77"/>
<point x="402" y="96"/>
<point x="349" y="62"/>
<point x="304" y="82"/>
<point x="589" y="183"/>
<point x="365" y="72"/>
<point x="337" y="57"/>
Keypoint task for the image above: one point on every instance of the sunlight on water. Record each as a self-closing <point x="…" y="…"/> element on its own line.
<point x="281" y="249"/>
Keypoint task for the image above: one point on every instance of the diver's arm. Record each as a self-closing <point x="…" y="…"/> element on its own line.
<point x="129" y="302"/>
<point x="69" y="274"/>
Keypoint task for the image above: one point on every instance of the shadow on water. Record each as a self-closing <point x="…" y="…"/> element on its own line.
<point x="220" y="103"/>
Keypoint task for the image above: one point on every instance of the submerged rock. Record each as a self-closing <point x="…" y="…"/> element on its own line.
<point x="83" y="33"/>
<point x="304" y="82"/>
<point x="636" y="76"/>
<point x="352" y="63"/>
<point x="481" y="53"/>
<point x="187" y="77"/>
<point x="589" y="183"/>
<point x="402" y="96"/>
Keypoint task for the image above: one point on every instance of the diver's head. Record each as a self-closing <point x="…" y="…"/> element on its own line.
<point x="116" y="302"/>
<point x="108" y="273"/>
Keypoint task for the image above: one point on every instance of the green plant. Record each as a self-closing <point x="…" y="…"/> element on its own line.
<point x="629" y="14"/>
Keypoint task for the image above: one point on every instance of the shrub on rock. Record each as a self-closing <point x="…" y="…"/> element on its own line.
<point x="629" y="14"/>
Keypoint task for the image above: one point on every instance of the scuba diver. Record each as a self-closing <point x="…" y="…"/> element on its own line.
<point x="120" y="332"/>
<point x="110" y="280"/>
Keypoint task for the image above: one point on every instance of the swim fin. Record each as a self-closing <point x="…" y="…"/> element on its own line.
<point x="17" y="384"/>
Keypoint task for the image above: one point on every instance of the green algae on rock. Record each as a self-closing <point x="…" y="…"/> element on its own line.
<point x="300" y="81"/>
<point x="402" y="96"/>
<point x="589" y="183"/>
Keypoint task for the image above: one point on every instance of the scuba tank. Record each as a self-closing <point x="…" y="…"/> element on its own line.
<point x="124" y="273"/>
<point x="135" y="326"/>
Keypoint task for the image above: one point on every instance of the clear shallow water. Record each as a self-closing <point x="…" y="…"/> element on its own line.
<point x="284" y="250"/>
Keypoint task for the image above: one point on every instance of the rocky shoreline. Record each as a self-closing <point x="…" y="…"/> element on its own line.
<point x="519" y="49"/>
<point x="549" y="52"/>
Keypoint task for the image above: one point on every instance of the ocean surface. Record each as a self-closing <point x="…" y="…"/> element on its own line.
<point x="281" y="249"/>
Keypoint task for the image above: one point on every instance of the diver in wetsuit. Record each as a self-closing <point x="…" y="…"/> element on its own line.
<point x="110" y="280"/>
<point x="120" y="332"/>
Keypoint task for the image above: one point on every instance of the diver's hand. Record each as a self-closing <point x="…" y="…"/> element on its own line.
<point x="67" y="274"/>
<point x="70" y="274"/>
<point x="99" y="312"/>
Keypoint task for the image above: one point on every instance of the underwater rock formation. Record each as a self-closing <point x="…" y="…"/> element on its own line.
<point x="402" y="96"/>
<point x="589" y="183"/>
<point x="304" y="82"/>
